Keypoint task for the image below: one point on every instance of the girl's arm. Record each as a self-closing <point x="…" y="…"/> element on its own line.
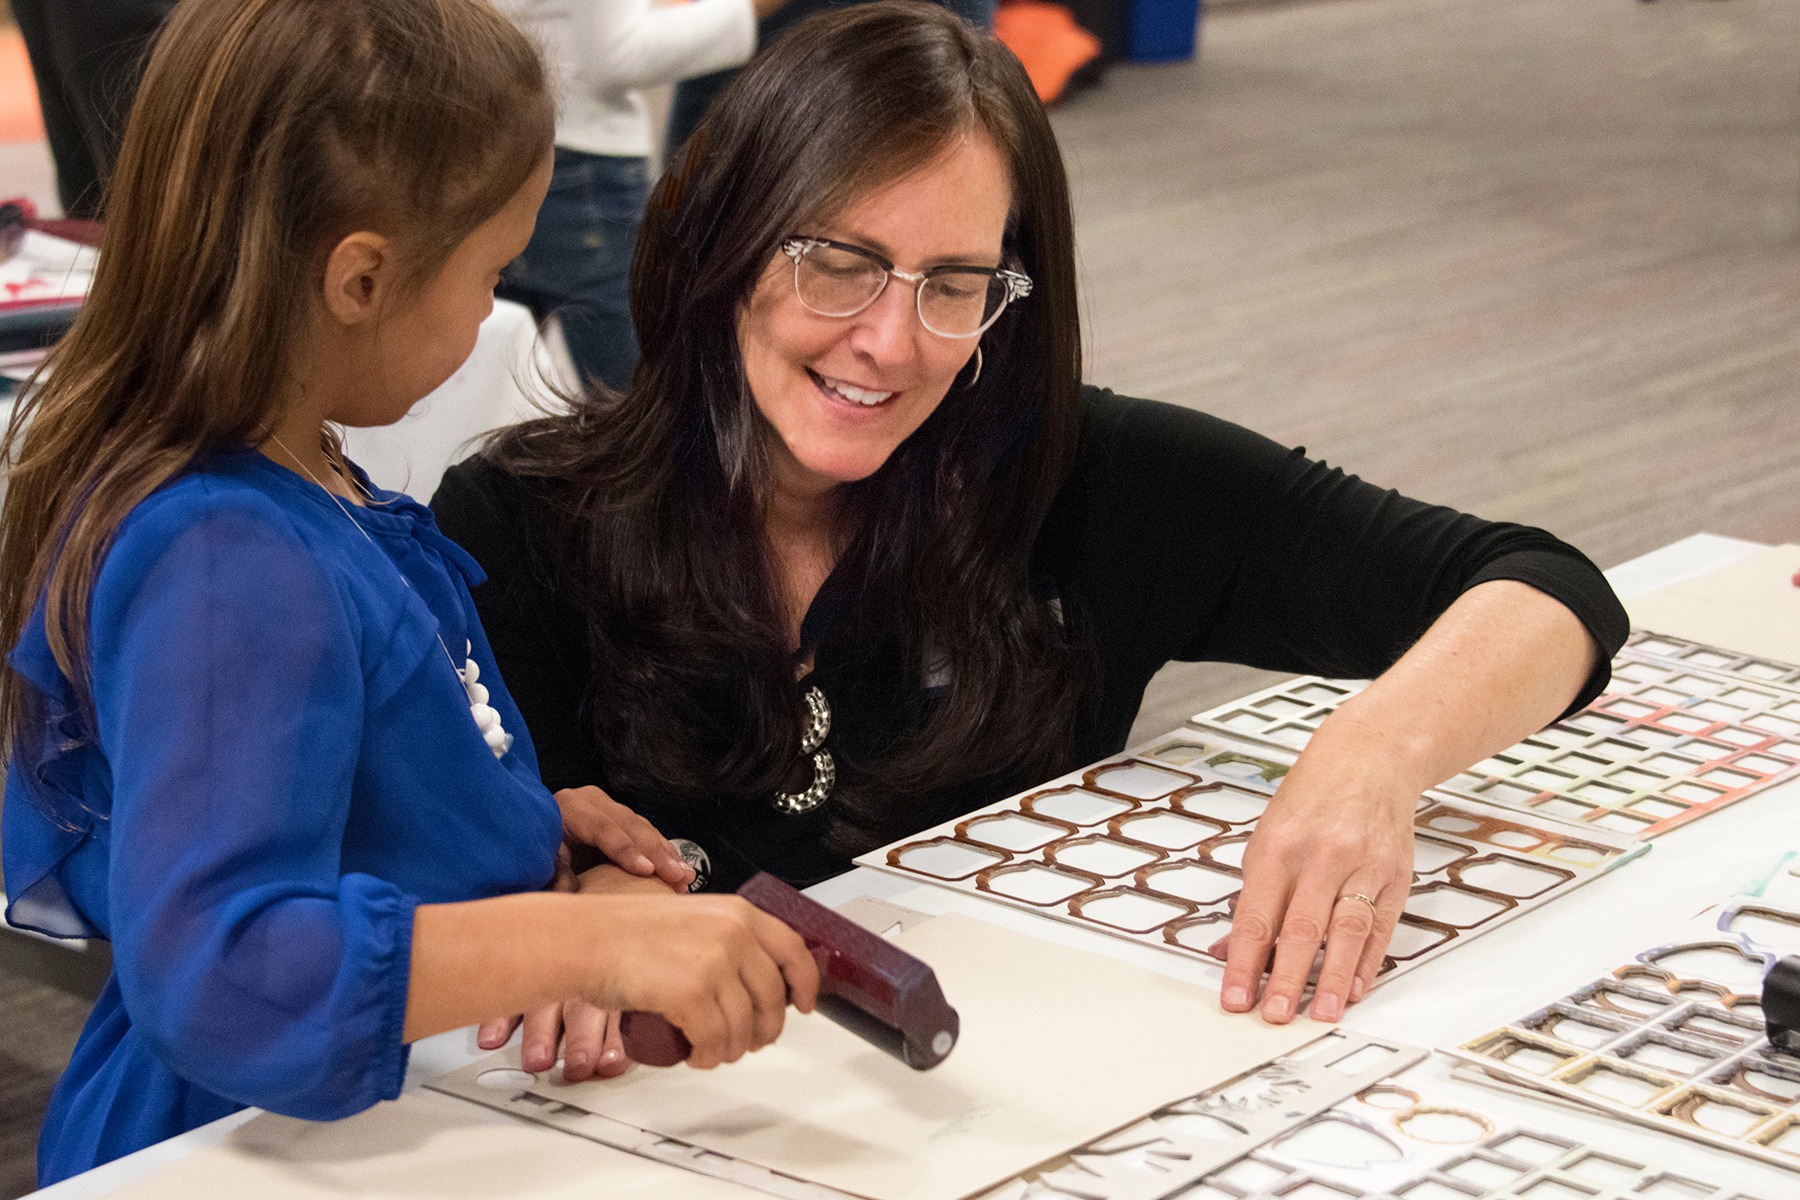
<point x="721" y="970"/>
<point x="252" y="954"/>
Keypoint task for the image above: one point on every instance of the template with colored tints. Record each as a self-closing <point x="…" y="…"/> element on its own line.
<point x="1682" y="731"/>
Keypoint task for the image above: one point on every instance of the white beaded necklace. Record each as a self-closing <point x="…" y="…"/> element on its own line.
<point x="487" y="718"/>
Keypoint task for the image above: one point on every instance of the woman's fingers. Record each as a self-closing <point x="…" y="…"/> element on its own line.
<point x="543" y="1029"/>
<point x="1355" y="923"/>
<point x="593" y="818"/>
<point x="1347" y="927"/>
<point x="491" y="1035"/>
<point x="1317" y="894"/>
<point x="613" y="1059"/>
<point x="609" y="880"/>
<point x="564" y="879"/>
<point x="1253" y="925"/>
<point x="1345" y="935"/>
<point x="1387" y="918"/>
<point x="584" y="1031"/>
<point x="1302" y="931"/>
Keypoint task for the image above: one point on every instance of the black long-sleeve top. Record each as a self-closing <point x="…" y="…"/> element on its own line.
<point x="1176" y="537"/>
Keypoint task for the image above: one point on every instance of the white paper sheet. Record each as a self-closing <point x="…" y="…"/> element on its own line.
<point x="1058" y="1046"/>
<point x="1750" y="605"/>
<point x="420" y="1147"/>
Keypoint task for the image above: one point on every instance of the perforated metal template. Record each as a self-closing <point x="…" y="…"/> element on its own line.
<point x="1683" y="730"/>
<point x="1149" y="846"/>
<point x="1673" y="1039"/>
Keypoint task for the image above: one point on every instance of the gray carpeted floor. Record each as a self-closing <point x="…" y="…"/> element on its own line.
<point x="41" y="1026"/>
<point x="1534" y="258"/>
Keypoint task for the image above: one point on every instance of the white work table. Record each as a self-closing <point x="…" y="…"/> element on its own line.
<point x="1525" y="963"/>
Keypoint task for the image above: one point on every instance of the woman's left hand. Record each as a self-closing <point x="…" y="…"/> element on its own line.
<point x="1330" y="863"/>
<point x="592" y="1047"/>
<point x="593" y="818"/>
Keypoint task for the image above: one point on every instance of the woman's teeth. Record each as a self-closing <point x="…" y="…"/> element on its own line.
<point x="853" y="394"/>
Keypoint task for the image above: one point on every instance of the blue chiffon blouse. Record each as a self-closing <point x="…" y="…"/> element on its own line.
<point x="281" y="765"/>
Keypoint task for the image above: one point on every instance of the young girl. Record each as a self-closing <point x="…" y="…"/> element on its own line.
<point x="256" y="735"/>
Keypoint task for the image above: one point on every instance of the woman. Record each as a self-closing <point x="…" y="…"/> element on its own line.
<point x="857" y="471"/>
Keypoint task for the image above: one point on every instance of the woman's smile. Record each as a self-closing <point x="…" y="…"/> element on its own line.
<point x="842" y="390"/>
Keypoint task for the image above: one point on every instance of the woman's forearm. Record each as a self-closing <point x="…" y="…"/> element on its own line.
<point x="1502" y="662"/>
<point x="1331" y="860"/>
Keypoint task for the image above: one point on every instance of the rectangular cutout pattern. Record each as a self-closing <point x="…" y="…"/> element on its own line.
<point x="1149" y="846"/>
<point x="1684" y="730"/>
<point x="1673" y="1039"/>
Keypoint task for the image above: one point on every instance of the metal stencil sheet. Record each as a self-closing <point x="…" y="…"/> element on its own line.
<point x="1328" y="1122"/>
<point x="1162" y="1154"/>
<point x="1149" y="847"/>
<point x="1673" y="1039"/>
<point x="496" y="1082"/>
<point x="1173" y="1149"/>
<point x="1285" y="715"/>
<point x="1746" y="667"/>
<point x="1682" y="731"/>
<point x="1391" y="1143"/>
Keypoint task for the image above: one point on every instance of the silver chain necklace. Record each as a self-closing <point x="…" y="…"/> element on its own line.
<point x="487" y="718"/>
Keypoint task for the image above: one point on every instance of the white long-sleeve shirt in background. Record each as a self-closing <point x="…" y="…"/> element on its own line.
<point x="605" y="51"/>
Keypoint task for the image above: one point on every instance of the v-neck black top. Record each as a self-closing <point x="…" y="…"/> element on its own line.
<point x="1176" y="537"/>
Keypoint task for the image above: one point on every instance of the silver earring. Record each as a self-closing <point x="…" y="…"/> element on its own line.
<point x="977" y="375"/>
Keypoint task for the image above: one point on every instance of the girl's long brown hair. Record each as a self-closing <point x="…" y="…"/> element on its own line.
<point x="662" y="488"/>
<point x="263" y="132"/>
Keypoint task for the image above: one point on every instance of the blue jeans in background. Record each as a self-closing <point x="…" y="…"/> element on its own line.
<point x="579" y="260"/>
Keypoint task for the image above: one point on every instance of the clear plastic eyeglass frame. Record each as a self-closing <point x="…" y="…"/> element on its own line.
<point x="1016" y="285"/>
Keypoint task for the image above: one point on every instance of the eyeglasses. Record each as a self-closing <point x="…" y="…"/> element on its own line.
<point x="838" y="280"/>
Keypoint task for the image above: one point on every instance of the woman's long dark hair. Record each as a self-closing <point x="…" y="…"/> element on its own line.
<point x="661" y="490"/>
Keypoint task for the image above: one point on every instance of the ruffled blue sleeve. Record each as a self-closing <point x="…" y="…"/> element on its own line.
<point x="229" y="698"/>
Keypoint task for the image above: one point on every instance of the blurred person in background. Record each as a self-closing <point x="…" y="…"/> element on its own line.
<point x="87" y="56"/>
<point x="605" y="52"/>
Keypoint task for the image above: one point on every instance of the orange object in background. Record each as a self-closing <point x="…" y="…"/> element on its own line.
<point x="1048" y="41"/>
<point x="20" y="119"/>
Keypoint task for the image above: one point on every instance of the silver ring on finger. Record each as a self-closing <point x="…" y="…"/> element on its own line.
<point x="1368" y="900"/>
